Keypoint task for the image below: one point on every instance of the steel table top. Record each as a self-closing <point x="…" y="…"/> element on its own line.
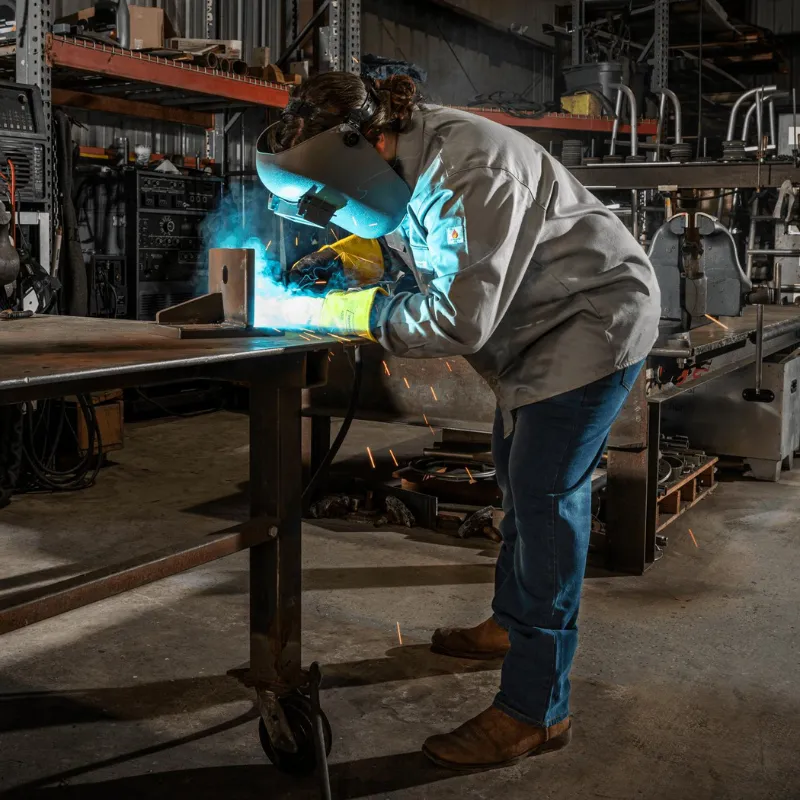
<point x="44" y="352"/>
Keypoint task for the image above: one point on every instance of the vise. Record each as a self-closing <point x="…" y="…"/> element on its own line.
<point x="698" y="270"/>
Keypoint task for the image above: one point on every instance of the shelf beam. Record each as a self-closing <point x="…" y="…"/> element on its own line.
<point x="131" y="108"/>
<point x="100" y="59"/>
<point x="559" y="122"/>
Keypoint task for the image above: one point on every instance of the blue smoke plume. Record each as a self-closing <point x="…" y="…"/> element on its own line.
<point x="259" y="229"/>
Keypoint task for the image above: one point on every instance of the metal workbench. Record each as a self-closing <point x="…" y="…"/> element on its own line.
<point x="46" y="357"/>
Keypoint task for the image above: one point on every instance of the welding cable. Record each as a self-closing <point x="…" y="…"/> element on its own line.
<point x="319" y="475"/>
<point x="40" y="448"/>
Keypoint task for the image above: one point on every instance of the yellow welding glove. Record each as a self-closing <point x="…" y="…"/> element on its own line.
<point x="349" y="312"/>
<point x="359" y="261"/>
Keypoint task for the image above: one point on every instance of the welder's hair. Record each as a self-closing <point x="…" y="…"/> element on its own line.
<point x="330" y="98"/>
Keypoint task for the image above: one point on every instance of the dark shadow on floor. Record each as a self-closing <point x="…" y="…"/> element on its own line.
<point x="38" y="576"/>
<point x="349" y="780"/>
<point x="408" y="663"/>
<point x="31" y="710"/>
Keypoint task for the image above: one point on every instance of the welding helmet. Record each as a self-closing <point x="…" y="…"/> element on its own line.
<point x="334" y="177"/>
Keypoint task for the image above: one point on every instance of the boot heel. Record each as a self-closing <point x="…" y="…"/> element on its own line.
<point x="557" y="742"/>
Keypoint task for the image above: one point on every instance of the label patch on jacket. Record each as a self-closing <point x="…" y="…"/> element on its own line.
<point x="455" y="234"/>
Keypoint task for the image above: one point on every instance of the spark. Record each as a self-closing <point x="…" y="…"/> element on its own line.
<point x="434" y="394"/>
<point x="312" y="335"/>
<point x="353" y="217"/>
<point x="268" y="244"/>
<point x="296" y="241"/>
<point x="693" y="539"/>
<point x="425" y="417"/>
<point x="372" y="224"/>
<point x="386" y="368"/>
<point x="371" y="459"/>
<point x="714" y="319"/>
<point x="317" y="283"/>
<point x="329" y="358"/>
<point x="304" y="337"/>
<point x="358" y="62"/>
<point x="471" y="479"/>
<point x="408" y="385"/>
<point x="399" y="635"/>
<point x="331" y="353"/>
<point x="394" y="458"/>
<point x="448" y="366"/>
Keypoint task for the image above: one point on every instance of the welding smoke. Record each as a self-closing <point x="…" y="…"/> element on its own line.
<point x="259" y="229"/>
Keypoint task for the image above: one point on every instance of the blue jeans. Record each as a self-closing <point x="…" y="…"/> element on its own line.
<point x="544" y="469"/>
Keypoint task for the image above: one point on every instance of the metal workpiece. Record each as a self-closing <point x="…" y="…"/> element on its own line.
<point x="622" y="89"/>
<point x="755" y="93"/>
<point x="680" y="150"/>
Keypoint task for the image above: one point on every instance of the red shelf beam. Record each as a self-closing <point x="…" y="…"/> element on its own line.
<point x="560" y="122"/>
<point x="109" y="61"/>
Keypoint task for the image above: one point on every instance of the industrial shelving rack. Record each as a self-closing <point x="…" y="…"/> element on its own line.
<point x="91" y="75"/>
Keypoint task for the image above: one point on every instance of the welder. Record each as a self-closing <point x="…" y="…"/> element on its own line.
<point x="538" y="285"/>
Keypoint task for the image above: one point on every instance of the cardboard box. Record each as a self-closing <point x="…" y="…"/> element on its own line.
<point x="260" y="57"/>
<point x="231" y="48"/>
<point x="149" y="26"/>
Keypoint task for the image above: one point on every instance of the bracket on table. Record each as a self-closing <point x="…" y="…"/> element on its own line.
<point x="228" y="308"/>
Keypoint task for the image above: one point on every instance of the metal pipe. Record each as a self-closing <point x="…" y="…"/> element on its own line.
<point x="777" y="274"/>
<point x="773" y="125"/>
<point x="760" y="122"/>
<point x="662" y="107"/>
<point x="772" y="252"/>
<point x="748" y="118"/>
<point x="612" y="150"/>
<point x="633" y="113"/>
<point x="676" y="107"/>
<point x="751" y="241"/>
<point x="635" y="213"/>
<point x="759" y="346"/>
<point x="738" y="104"/>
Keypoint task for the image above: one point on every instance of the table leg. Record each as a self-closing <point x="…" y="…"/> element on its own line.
<point x="275" y="567"/>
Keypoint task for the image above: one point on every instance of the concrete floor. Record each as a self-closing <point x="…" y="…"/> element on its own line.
<point x="685" y="684"/>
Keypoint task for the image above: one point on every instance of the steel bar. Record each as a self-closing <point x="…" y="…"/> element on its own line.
<point x="82" y="590"/>
<point x="687" y="175"/>
<point x="759" y="347"/>
<point x="632" y="113"/>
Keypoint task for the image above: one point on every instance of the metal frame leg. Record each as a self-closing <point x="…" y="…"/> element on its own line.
<point x="275" y="567"/>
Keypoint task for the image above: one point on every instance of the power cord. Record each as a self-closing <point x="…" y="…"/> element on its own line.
<point x="322" y="470"/>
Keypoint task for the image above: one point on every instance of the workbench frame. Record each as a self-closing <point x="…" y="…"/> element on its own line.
<point x="276" y="375"/>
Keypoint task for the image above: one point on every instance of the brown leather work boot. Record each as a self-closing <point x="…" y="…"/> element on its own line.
<point x="483" y="642"/>
<point x="493" y="739"/>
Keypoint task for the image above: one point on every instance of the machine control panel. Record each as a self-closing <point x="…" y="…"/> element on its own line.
<point x="182" y="194"/>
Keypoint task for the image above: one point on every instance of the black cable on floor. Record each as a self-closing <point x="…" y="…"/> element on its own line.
<point x="322" y="470"/>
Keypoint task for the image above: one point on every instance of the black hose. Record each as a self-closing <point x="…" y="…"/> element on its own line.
<point x="322" y="470"/>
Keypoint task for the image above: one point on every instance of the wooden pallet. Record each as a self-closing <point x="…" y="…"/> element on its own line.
<point x="684" y="494"/>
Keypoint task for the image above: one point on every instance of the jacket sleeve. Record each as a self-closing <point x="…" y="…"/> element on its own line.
<point x="479" y="226"/>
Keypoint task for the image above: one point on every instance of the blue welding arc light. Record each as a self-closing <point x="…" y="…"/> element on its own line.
<point x="334" y="177"/>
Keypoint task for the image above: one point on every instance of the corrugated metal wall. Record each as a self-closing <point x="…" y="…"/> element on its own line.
<point x="782" y="17"/>
<point x="463" y="58"/>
